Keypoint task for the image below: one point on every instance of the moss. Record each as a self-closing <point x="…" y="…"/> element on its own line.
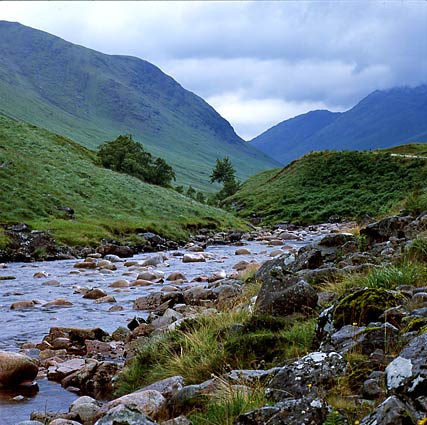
<point x="414" y="324"/>
<point x="364" y="306"/>
<point x="266" y="322"/>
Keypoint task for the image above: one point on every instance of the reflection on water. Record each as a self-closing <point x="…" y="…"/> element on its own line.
<point x="49" y="396"/>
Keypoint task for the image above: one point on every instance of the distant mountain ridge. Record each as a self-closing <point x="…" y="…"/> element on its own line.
<point x="382" y="119"/>
<point x="92" y="97"/>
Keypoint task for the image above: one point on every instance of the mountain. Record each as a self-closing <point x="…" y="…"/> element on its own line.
<point x="42" y="173"/>
<point x="347" y="184"/>
<point x="382" y="119"/>
<point x="92" y="97"/>
<point x="282" y="141"/>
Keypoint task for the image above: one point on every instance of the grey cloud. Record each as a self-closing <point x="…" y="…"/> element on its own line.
<point x="296" y="53"/>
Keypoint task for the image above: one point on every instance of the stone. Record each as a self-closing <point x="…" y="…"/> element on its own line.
<point x="94" y="379"/>
<point x="176" y="276"/>
<point x="180" y="420"/>
<point x="193" y="258"/>
<point x="16" y="369"/>
<point x="61" y="421"/>
<point x="303" y="411"/>
<point x="121" y="283"/>
<point x="391" y="411"/>
<point x="86" y="408"/>
<point x="106" y="299"/>
<point x="22" y="305"/>
<point x="312" y="373"/>
<point x="125" y="415"/>
<point x="168" y="387"/>
<point x="61" y="370"/>
<point x="242" y="251"/>
<point x="364" y="306"/>
<point x="153" y="261"/>
<point x="218" y="275"/>
<point x="151" y="276"/>
<point x="41" y="274"/>
<point x="285" y="296"/>
<point x="59" y="302"/>
<point x="149" y="402"/>
<point x="94" y="294"/>
<point x="120" y="251"/>
<point x="407" y="373"/>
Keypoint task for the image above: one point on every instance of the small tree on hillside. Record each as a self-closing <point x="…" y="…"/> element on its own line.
<point x="125" y="155"/>
<point x="224" y="173"/>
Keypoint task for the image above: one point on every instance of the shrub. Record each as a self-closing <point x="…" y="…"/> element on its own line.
<point x="128" y="156"/>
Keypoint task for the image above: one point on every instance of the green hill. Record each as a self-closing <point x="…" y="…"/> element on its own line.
<point x="327" y="184"/>
<point x="382" y="119"/>
<point x="92" y="97"/>
<point x="41" y="172"/>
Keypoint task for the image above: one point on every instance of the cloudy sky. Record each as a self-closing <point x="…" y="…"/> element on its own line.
<point x="258" y="62"/>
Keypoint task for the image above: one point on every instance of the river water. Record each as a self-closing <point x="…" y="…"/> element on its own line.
<point x="63" y="281"/>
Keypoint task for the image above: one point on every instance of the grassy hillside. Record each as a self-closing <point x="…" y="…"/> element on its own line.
<point x="324" y="184"/>
<point x="41" y="171"/>
<point x="92" y="97"/>
<point x="382" y="119"/>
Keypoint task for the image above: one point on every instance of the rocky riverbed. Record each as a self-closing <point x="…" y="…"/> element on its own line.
<point x="102" y="291"/>
<point x="384" y="326"/>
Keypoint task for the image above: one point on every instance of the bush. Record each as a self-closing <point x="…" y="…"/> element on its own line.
<point x="125" y="155"/>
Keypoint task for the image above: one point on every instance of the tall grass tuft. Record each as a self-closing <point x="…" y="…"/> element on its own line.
<point x="228" y="402"/>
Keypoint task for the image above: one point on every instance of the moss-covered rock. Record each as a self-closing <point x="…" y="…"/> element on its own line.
<point x="364" y="306"/>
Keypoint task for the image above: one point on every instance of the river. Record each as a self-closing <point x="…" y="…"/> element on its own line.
<point x="63" y="281"/>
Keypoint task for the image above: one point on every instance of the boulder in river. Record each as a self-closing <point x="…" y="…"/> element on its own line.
<point x="16" y="369"/>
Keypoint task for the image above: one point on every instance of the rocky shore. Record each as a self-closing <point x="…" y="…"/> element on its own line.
<point x="368" y="349"/>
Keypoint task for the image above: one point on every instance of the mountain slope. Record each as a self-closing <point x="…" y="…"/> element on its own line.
<point x="282" y="141"/>
<point x="92" y="97"/>
<point x="41" y="173"/>
<point x="382" y="119"/>
<point x="323" y="184"/>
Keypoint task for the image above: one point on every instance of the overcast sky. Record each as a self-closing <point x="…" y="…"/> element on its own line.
<point x="257" y="63"/>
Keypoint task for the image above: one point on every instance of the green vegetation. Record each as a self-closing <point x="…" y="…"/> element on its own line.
<point x="229" y="402"/>
<point x="324" y="184"/>
<point x="187" y="351"/>
<point x="91" y="97"/>
<point x="406" y="272"/>
<point x="124" y="155"/>
<point x="40" y="173"/>
<point x="224" y="173"/>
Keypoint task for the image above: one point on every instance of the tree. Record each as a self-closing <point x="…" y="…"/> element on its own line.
<point x="191" y="192"/>
<point x="161" y="173"/>
<point x="125" y="155"/>
<point x="224" y="173"/>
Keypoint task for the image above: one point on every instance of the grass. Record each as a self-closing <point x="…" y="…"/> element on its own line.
<point x="323" y="184"/>
<point x="91" y="97"/>
<point x="228" y="402"/>
<point x="385" y="277"/>
<point x="51" y="172"/>
<point x="258" y="342"/>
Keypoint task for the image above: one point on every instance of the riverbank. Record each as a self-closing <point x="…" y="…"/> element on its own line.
<point x="300" y="287"/>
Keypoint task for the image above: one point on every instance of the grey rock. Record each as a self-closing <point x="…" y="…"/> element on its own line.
<point x="284" y="297"/>
<point x="125" y="415"/>
<point x="303" y="411"/>
<point x="372" y="389"/>
<point x="407" y="373"/>
<point x="306" y="376"/>
<point x="86" y="408"/>
<point x="386" y="228"/>
<point x="168" y="387"/>
<point x="391" y="411"/>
